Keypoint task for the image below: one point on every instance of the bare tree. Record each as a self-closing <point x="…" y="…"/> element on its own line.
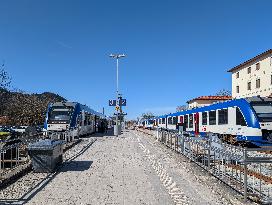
<point x="181" y="108"/>
<point x="5" y="79"/>
<point x="148" y="115"/>
<point x="223" y="92"/>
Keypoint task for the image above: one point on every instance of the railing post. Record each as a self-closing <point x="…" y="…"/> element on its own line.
<point x="245" y="174"/>
<point x="209" y="153"/>
<point x="182" y="143"/>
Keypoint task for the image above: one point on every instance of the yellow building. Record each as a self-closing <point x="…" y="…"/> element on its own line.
<point x="253" y="77"/>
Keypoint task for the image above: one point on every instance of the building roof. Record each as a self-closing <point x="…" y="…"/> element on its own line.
<point x="211" y="97"/>
<point x="251" y="60"/>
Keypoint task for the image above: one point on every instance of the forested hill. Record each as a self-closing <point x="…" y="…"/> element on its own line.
<point x="18" y="108"/>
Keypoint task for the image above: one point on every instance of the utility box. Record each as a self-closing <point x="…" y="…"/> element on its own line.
<point x="46" y="154"/>
<point x="117" y="130"/>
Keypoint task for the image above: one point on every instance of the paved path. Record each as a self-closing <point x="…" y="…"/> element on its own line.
<point x="111" y="171"/>
<point x="130" y="169"/>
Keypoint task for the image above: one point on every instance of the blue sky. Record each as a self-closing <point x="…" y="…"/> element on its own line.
<point x="176" y="50"/>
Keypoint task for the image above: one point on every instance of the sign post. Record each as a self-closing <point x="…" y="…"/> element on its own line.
<point x="117" y="130"/>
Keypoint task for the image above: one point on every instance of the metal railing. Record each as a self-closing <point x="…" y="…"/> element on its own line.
<point x="14" y="157"/>
<point x="247" y="170"/>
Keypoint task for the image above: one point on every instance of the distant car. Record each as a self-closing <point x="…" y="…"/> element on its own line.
<point x="19" y="129"/>
<point x="7" y="131"/>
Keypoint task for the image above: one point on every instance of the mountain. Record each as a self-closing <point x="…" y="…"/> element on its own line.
<point x="18" y="108"/>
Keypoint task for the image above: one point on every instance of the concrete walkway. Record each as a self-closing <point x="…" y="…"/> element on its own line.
<point x="111" y="171"/>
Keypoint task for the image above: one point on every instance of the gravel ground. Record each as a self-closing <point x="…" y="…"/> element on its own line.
<point x="130" y="169"/>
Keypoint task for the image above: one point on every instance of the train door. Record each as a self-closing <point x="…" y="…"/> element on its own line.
<point x="196" y="117"/>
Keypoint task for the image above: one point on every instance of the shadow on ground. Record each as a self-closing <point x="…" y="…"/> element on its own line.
<point x="68" y="165"/>
<point x="107" y="133"/>
<point x="76" y="166"/>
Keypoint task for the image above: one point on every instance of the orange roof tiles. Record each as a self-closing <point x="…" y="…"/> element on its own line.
<point x="211" y="97"/>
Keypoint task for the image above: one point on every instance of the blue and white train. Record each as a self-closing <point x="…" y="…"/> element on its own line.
<point x="239" y="121"/>
<point x="74" y="117"/>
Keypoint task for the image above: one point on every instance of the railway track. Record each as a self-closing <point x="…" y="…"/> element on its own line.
<point x="31" y="182"/>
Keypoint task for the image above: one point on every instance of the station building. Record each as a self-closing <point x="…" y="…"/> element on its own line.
<point x="206" y="100"/>
<point x="253" y="77"/>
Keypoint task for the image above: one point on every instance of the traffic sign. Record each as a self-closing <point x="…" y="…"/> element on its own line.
<point x="112" y="102"/>
<point x="117" y="108"/>
<point x="123" y="102"/>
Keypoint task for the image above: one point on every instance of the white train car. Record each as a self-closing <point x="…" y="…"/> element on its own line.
<point x="237" y="121"/>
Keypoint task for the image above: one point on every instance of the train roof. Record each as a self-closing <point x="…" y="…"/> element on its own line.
<point x="82" y="107"/>
<point x="243" y="104"/>
<point x="67" y="104"/>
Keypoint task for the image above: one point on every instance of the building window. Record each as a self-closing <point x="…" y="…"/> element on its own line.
<point x="223" y="117"/>
<point x="248" y="85"/>
<point x="240" y="120"/>
<point x="212" y="118"/>
<point x="191" y="121"/>
<point x="237" y="89"/>
<point x="186" y="121"/>
<point x="204" y="118"/>
<point x="237" y="75"/>
<point x="258" y="83"/>
<point x="248" y="70"/>
<point x="258" y="66"/>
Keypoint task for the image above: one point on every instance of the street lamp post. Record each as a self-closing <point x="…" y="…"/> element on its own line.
<point x="117" y="56"/>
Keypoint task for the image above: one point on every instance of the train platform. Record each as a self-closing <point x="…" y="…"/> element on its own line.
<point x="132" y="168"/>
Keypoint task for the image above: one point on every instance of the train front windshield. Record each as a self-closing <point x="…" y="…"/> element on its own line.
<point x="60" y="115"/>
<point x="263" y="111"/>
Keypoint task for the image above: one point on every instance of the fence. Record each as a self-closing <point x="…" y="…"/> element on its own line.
<point x="14" y="158"/>
<point x="247" y="170"/>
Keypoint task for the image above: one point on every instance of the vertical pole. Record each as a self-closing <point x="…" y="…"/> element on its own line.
<point x="245" y="175"/>
<point x="209" y="153"/>
<point x="117" y="79"/>
<point x="260" y="179"/>
<point x="182" y="143"/>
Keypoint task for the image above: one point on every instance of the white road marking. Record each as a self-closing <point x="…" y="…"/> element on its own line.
<point x="174" y="191"/>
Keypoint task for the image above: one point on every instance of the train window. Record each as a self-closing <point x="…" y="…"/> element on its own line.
<point x="181" y="119"/>
<point x="175" y="120"/>
<point x="223" y="117"/>
<point x="240" y="120"/>
<point x="160" y="121"/>
<point x="212" y="118"/>
<point x="169" y="121"/>
<point x="204" y="118"/>
<point x="163" y="120"/>
<point x="191" y="121"/>
<point x="186" y="121"/>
